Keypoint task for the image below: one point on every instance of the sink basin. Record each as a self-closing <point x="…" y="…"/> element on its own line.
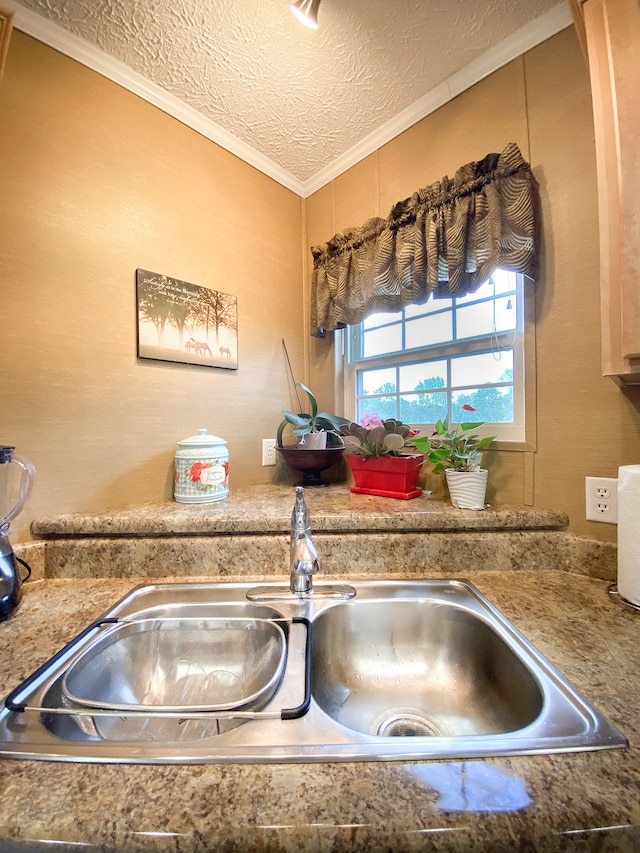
<point x="419" y="668"/>
<point x="406" y="670"/>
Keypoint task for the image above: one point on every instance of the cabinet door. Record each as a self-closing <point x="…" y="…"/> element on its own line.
<point x="6" y="25"/>
<point x="613" y="37"/>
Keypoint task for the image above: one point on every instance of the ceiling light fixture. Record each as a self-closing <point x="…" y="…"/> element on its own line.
<point x="306" y="11"/>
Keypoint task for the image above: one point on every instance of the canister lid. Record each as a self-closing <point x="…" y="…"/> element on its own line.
<point x="201" y="440"/>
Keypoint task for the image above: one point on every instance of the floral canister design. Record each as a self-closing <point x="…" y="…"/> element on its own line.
<point x="202" y="469"/>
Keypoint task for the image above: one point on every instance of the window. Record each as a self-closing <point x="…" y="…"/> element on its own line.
<point x="474" y="355"/>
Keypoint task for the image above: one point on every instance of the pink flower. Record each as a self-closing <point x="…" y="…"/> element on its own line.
<point x="468" y="408"/>
<point x="370" y="421"/>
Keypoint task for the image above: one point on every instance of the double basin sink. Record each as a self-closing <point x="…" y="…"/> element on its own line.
<point x="196" y="673"/>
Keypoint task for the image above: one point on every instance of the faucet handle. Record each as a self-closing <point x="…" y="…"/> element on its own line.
<point x="306" y="568"/>
<point x="304" y="563"/>
<point x="304" y="556"/>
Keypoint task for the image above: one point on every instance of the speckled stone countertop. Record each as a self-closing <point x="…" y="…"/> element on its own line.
<point x="354" y="533"/>
<point x="267" y="509"/>
<point x="564" y="802"/>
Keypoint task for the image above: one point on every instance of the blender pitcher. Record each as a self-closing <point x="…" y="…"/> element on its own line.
<point x="10" y="583"/>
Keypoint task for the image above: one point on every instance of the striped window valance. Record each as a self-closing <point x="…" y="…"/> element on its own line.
<point x="446" y="239"/>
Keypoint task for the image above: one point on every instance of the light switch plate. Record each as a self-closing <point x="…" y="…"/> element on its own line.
<point x="268" y="451"/>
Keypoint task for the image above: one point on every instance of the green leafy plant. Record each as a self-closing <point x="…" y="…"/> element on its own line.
<point x="376" y="437"/>
<point x="455" y="448"/>
<point x="304" y="423"/>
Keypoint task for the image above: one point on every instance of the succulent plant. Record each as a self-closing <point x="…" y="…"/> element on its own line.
<point x="377" y="437"/>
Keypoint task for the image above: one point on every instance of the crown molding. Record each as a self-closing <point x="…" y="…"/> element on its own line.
<point x="524" y="39"/>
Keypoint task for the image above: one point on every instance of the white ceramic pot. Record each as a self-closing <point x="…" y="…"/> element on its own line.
<point x="313" y="441"/>
<point x="467" y="489"/>
<point x="202" y="469"/>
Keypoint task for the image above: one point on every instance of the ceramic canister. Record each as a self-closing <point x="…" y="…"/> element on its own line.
<point x="202" y="469"/>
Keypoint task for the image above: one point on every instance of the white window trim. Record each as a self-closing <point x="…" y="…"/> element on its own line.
<point x="524" y="439"/>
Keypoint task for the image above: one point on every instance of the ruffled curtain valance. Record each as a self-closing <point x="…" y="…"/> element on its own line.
<point x="446" y="239"/>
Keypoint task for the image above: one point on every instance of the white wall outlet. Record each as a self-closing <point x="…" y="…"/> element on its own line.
<point x="268" y="451"/>
<point x="602" y="499"/>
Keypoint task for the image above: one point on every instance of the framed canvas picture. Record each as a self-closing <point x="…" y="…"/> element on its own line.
<point x="187" y="323"/>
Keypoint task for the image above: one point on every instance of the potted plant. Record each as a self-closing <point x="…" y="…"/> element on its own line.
<point x="314" y="431"/>
<point x="458" y="452"/>
<point x="319" y="442"/>
<point x="382" y="457"/>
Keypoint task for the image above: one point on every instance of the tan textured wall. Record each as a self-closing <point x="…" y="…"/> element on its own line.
<point x="586" y="426"/>
<point x="96" y="183"/>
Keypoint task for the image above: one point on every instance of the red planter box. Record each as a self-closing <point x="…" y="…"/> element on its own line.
<point x="386" y="476"/>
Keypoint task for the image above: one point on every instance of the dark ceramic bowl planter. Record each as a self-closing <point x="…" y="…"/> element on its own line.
<point x="386" y="476"/>
<point x="310" y="463"/>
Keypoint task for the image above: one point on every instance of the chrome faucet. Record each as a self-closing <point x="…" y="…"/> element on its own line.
<point x="304" y="559"/>
<point x="304" y="562"/>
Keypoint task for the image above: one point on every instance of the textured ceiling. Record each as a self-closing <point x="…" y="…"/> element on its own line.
<point x="302" y="98"/>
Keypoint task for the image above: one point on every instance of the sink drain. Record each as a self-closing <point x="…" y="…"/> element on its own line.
<point x="408" y="725"/>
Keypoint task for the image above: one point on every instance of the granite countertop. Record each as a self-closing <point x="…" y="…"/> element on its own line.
<point x="267" y="509"/>
<point x="354" y="533"/>
<point x="578" y="801"/>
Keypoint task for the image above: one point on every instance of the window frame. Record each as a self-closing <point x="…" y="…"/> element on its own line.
<point x="519" y="438"/>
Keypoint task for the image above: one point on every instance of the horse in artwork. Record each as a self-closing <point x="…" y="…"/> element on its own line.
<point x="198" y="347"/>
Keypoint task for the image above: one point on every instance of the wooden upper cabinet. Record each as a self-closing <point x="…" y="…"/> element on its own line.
<point x="7" y="15"/>
<point x="610" y="29"/>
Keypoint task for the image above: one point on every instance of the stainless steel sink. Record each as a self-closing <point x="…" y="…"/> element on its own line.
<point x="405" y="670"/>
<point x="420" y="668"/>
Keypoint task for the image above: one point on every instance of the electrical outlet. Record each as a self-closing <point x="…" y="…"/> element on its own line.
<point x="268" y="451"/>
<point x="602" y="499"/>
